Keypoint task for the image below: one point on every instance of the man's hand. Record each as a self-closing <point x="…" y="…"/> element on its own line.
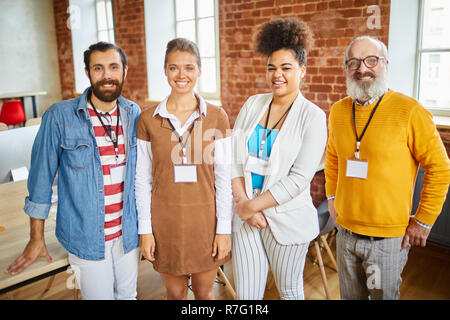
<point x="415" y="235"/>
<point x="332" y="210"/>
<point x="221" y="246"/>
<point x="147" y="246"/>
<point x="35" y="249"/>
<point x="258" y="220"/>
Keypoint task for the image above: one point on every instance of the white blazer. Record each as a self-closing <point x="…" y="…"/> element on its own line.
<point x="294" y="159"/>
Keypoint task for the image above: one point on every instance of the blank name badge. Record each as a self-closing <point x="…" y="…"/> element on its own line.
<point x="357" y="168"/>
<point x="256" y="165"/>
<point x="185" y="173"/>
<point x="117" y="173"/>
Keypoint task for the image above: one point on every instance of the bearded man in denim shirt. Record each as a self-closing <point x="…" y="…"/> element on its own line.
<point x="90" y="142"/>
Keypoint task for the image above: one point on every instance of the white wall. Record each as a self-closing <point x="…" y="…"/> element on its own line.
<point x="159" y="29"/>
<point x="28" y="51"/>
<point x="402" y="45"/>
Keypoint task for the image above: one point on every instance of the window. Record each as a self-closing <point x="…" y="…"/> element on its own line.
<point x="192" y="19"/>
<point x="105" y="23"/>
<point x="196" y="21"/>
<point x="92" y="22"/>
<point x="433" y="56"/>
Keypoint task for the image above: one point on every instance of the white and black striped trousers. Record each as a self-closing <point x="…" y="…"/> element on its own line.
<point x="253" y="250"/>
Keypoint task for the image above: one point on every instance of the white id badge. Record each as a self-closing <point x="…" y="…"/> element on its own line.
<point x="256" y="165"/>
<point x="117" y="173"/>
<point x="357" y="168"/>
<point x="185" y="173"/>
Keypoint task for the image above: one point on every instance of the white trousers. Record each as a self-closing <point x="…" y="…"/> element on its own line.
<point x="114" y="278"/>
<point x="253" y="251"/>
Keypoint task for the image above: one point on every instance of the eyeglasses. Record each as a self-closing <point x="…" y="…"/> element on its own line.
<point x="369" y="62"/>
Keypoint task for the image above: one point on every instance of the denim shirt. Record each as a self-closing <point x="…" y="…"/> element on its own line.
<point x="65" y="143"/>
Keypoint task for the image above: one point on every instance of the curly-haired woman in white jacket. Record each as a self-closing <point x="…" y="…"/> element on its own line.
<point x="278" y="141"/>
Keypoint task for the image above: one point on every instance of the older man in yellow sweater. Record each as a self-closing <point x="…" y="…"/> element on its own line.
<point x="377" y="139"/>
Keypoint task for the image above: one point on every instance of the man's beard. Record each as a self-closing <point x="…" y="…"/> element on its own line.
<point x="107" y="95"/>
<point x="365" y="91"/>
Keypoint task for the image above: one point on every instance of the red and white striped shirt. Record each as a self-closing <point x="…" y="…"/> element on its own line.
<point x="113" y="191"/>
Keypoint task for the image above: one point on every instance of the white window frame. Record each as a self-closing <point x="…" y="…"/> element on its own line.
<point x="109" y="30"/>
<point x="207" y="95"/>
<point x="437" y="111"/>
<point x="84" y="33"/>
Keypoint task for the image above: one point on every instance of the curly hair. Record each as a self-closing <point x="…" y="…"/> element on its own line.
<point x="288" y="33"/>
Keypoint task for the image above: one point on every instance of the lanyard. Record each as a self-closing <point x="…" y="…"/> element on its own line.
<point x="358" y="139"/>
<point x="266" y="135"/>
<point x="183" y="145"/>
<point x="114" y="136"/>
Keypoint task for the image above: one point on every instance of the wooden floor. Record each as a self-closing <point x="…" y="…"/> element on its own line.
<point x="426" y="276"/>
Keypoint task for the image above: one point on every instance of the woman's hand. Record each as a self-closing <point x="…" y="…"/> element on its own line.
<point x="147" y="246"/>
<point x="221" y="246"/>
<point x="258" y="221"/>
<point x="243" y="207"/>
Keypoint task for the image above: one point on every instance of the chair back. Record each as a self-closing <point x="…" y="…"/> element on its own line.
<point x="12" y="112"/>
<point x="326" y="223"/>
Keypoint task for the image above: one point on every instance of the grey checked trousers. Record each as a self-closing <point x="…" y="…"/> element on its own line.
<point x="369" y="269"/>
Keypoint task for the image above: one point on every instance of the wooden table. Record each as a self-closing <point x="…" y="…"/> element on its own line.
<point x="22" y="96"/>
<point x="14" y="235"/>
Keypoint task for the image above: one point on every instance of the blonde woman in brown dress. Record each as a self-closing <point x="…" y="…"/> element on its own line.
<point x="183" y="180"/>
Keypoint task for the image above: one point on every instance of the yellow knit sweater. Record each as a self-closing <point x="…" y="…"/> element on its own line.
<point x="400" y="136"/>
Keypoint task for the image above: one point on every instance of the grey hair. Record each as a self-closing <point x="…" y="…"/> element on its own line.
<point x="380" y="45"/>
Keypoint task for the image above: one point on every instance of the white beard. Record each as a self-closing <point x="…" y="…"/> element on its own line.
<point x="378" y="87"/>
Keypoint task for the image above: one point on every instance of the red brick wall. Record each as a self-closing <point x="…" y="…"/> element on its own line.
<point x="334" y="23"/>
<point x="129" y="28"/>
<point x="65" y="53"/>
<point x="445" y="135"/>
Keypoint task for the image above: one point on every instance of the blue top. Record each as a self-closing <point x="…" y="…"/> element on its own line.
<point x="65" y="143"/>
<point x="253" y="147"/>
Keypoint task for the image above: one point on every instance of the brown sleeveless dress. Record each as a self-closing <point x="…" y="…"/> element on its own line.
<point x="183" y="215"/>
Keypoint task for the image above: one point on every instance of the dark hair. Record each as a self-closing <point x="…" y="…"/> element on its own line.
<point x="182" y="44"/>
<point x="289" y="33"/>
<point x="104" y="46"/>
